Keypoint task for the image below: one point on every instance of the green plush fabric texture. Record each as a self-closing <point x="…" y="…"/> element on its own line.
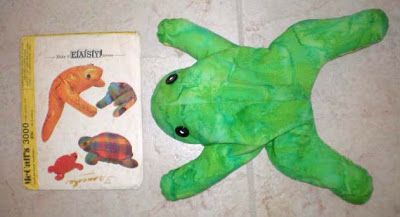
<point x="237" y="100"/>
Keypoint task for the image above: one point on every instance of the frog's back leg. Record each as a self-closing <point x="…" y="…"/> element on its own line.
<point x="302" y="155"/>
<point x="312" y="43"/>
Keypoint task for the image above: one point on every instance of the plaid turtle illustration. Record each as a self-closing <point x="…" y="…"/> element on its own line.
<point x="108" y="147"/>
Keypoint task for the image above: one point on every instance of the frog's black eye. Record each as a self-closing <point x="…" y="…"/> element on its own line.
<point x="182" y="131"/>
<point x="171" y="78"/>
<point x="88" y="76"/>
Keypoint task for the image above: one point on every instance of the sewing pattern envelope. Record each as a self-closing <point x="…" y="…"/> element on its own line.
<point x="81" y="111"/>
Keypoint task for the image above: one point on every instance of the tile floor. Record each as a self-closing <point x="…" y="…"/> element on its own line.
<point x="356" y="101"/>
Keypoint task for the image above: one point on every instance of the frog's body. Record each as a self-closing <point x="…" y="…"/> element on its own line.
<point x="238" y="100"/>
<point x="243" y="90"/>
<point x="239" y="84"/>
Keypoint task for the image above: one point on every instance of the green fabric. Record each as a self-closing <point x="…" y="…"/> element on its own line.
<point x="236" y="100"/>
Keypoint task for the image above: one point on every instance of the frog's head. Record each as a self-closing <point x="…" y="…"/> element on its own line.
<point x="183" y="105"/>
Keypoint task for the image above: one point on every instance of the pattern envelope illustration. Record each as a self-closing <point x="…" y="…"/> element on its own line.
<point x="65" y="164"/>
<point x="108" y="147"/>
<point x="66" y="88"/>
<point x="123" y="96"/>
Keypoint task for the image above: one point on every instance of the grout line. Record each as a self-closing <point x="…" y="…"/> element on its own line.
<point x="252" y="193"/>
<point x="249" y="166"/>
<point x="239" y="13"/>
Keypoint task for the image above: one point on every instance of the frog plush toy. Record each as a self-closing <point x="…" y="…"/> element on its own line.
<point x="237" y="100"/>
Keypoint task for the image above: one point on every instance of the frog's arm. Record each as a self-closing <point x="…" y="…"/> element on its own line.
<point x="326" y="39"/>
<point x="214" y="163"/>
<point x="191" y="38"/>
<point x="302" y="155"/>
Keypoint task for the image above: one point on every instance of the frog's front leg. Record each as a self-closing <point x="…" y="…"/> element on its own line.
<point x="214" y="163"/>
<point x="191" y="38"/>
<point x="302" y="155"/>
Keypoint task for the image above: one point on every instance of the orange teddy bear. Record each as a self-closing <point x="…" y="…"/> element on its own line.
<point x="66" y="88"/>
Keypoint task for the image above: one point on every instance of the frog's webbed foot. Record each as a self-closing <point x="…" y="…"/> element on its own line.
<point x="214" y="163"/>
<point x="191" y="38"/>
<point x="302" y="155"/>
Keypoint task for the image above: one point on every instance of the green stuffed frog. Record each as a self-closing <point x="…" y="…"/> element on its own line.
<point x="237" y="100"/>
